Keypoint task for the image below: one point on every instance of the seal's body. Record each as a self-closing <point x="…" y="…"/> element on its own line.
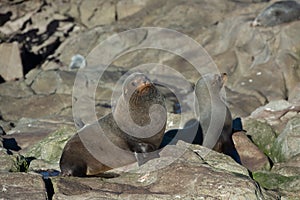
<point x="278" y="13"/>
<point x="214" y="116"/>
<point x="118" y="138"/>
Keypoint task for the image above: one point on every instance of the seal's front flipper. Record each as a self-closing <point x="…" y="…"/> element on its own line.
<point x="144" y="152"/>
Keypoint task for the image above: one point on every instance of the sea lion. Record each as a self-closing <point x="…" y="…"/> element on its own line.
<point x="278" y="13"/>
<point x="92" y="150"/>
<point x="210" y="94"/>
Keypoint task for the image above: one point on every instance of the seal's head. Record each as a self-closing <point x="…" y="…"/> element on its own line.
<point x="219" y="80"/>
<point x="213" y="82"/>
<point x="278" y="13"/>
<point x="138" y="89"/>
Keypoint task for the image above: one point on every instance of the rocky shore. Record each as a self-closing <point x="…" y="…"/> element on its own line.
<point x="37" y="42"/>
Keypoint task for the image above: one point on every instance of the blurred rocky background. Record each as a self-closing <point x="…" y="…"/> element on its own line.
<point x="39" y="38"/>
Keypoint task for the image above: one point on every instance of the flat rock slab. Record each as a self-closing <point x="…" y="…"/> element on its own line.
<point x="188" y="177"/>
<point x="33" y="107"/>
<point x="22" y="186"/>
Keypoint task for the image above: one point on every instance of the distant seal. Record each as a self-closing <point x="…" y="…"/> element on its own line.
<point x="90" y="152"/>
<point x="278" y="13"/>
<point x="209" y="91"/>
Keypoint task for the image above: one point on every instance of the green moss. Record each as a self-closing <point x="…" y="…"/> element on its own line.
<point x="276" y="153"/>
<point x="20" y="164"/>
<point x="287" y="143"/>
<point x="262" y="134"/>
<point x="50" y="148"/>
<point x="273" y="181"/>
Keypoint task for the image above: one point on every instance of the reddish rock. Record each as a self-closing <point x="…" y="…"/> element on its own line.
<point x="251" y="157"/>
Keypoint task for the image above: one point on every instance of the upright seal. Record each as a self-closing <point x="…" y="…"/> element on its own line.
<point x="214" y="116"/>
<point x="114" y="141"/>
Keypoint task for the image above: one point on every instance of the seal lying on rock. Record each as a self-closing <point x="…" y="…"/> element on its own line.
<point x="214" y="116"/>
<point x="132" y="132"/>
<point x="278" y="13"/>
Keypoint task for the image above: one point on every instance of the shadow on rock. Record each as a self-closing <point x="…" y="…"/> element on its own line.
<point x="192" y="133"/>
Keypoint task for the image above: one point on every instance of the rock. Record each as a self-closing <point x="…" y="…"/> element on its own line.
<point x="294" y="95"/>
<point x="194" y="179"/>
<point x="251" y="157"/>
<point x="241" y="105"/>
<point x="50" y="148"/>
<point x="22" y="186"/>
<point x="31" y="131"/>
<point x="10" y="61"/>
<point x="16" y="108"/>
<point x="20" y="164"/>
<point x="276" y="114"/>
<point x="41" y="83"/>
<point x="6" y="161"/>
<point x="95" y="12"/>
<point x="80" y="43"/>
<point x="288" y="187"/>
<point x="287" y="143"/>
<point x="17" y="89"/>
<point x="128" y="8"/>
<point x="62" y="82"/>
<point x="289" y="168"/>
<point x="261" y="134"/>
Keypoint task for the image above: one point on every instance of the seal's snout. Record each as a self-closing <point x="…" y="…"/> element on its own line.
<point x="255" y="23"/>
<point x="143" y="86"/>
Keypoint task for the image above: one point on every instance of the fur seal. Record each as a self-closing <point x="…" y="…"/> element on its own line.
<point x="210" y="93"/>
<point x="92" y="151"/>
<point x="278" y="13"/>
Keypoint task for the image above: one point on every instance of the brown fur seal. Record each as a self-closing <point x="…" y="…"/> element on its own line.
<point x="113" y="140"/>
<point x="278" y="13"/>
<point x="217" y="134"/>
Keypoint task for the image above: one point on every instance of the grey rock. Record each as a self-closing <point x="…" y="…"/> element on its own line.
<point x="14" y="109"/>
<point x="262" y="134"/>
<point x="6" y="161"/>
<point x="41" y="83"/>
<point x="288" y="186"/>
<point x="287" y="143"/>
<point x="17" y="89"/>
<point x="10" y="61"/>
<point x="22" y="186"/>
<point x="28" y="132"/>
<point x="50" y="148"/>
<point x="194" y="179"/>
<point x="62" y="82"/>
<point x="289" y="168"/>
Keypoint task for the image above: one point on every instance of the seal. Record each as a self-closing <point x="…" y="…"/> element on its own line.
<point x="278" y="13"/>
<point x="210" y="93"/>
<point x="132" y="132"/>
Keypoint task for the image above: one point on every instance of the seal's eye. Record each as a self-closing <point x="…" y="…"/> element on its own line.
<point x="133" y="83"/>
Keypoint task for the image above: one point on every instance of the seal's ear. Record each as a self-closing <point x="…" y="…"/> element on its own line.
<point x="224" y="78"/>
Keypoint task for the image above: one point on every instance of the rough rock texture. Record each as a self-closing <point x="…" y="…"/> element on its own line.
<point x="22" y="186"/>
<point x="194" y="179"/>
<point x="251" y="157"/>
<point x="10" y="61"/>
<point x="287" y="143"/>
